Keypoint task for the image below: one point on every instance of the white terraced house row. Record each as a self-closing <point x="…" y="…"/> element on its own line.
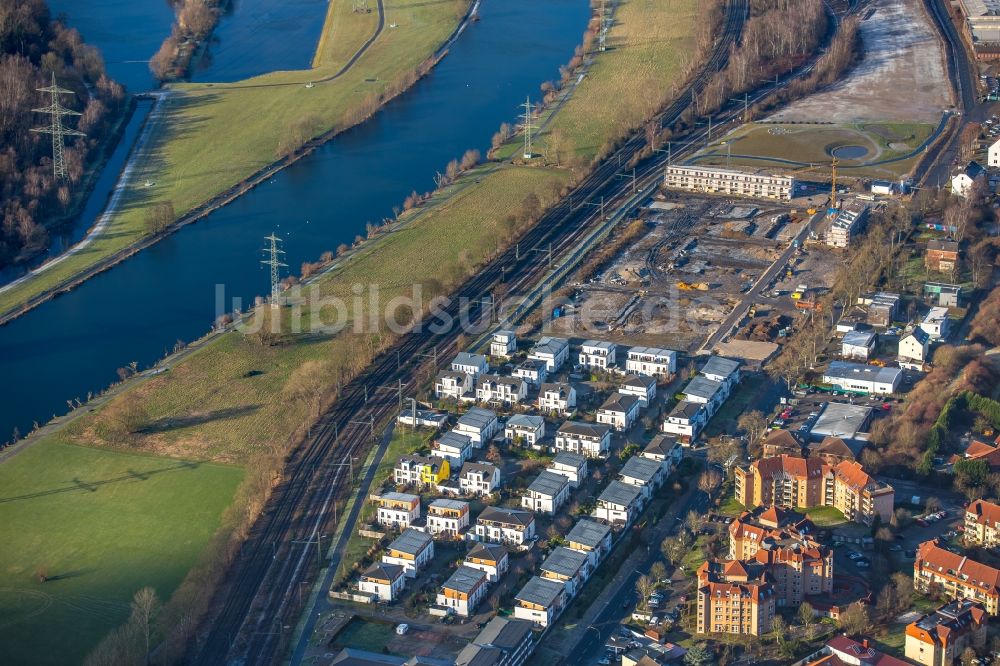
<point x="592" y="440"/>
<point x="547" y="493"/>
<point x="571" y="465"/>
<point x="652" y="361"/>
<point x="619" y="504"/>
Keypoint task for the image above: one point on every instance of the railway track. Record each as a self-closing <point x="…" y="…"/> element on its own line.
<point x="257" y="600"/>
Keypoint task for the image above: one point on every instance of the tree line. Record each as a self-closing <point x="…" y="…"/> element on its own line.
<point x="33" y="46"/>
<point x="194" y="22"/>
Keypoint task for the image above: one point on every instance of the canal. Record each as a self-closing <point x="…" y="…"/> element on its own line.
<point x="73" y="344"/>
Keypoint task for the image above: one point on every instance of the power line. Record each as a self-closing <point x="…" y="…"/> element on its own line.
<point x="527" y="128"/>
<point x="56" y="129"/>
<point x="274" y="261"/>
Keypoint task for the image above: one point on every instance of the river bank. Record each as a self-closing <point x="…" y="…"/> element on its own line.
<point x="203" y="130"/>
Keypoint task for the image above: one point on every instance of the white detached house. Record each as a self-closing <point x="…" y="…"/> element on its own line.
<point x="597" y="354"/>
<point x="619" y="411"/>
<point x="497" y="390"/>
<point x="547" y="493"/>
<point x="659" y="363"/>
<point x="592" y="440"/>
<point x="525" y="428"/>
<point x="470" y="364"/>
<point x="642" y="387"/>
<point x="914" y="349"/>
<point x="551" y="351"/>
<point x="557" y="399"/>
<point x="479" y="425"/>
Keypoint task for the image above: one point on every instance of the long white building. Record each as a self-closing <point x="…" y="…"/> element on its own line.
<point x="717" y="180"/>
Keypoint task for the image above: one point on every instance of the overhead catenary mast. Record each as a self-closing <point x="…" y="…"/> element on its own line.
<point x="527" y="128"/>
<point x="57" y="129"/>
<point x="274" y="261"/>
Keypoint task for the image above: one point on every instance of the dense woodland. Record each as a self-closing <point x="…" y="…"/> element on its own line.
<point x="33" y="45"/>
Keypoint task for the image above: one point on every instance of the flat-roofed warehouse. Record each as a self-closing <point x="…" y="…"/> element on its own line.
<point x="982" y="18"/>
<point x="730" y="181"/>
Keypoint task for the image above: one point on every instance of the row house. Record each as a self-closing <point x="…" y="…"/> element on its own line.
<point x="571" y="465"/>
<point x="643" y="473"/>
<point x="982" y="524"/>
<point x="597" y="354"/>
<point x="479" y="425"/>
<point x="619" y="504"/>
<point x="452" y="385"/>
<point x="590" y="537"/>
<point x="592" y="440"/>
<point x="420" y="471"/>
<point x="553" y="352"/>
<point x="619" y="411"/>
<point x="384" y="582"/>
<point x="666" y="450"/>
<point x="447" y="517"/>
<point x="411" y="550"/>
<point x="463" y="591"/>
<point x="642" y="387"/>
<point x="511" y="527"/>
<point x="540" y="601"/>
<point x="567" y="566"/>
<point x="557" y="399"/>
<point x="470" y="364"/>
<point x="722" y="369"/>
<point x="940" y="638"/>
<point x="956" y="576"/>
<point x="454" y="447"/>
<point x="525" y="429"/>
<point x="491" y="558"/>
<point x="531" y="371"/>
<point x="734" y="598"/>
<point x="503" y="344"/>
<point x="708" y="392"/>
<point x="498" y="390"/>
<point x="396" y="510"/>
<point x="651" y="361"/>
<point x="479" y="478"/>
<point x="547" y="493"/>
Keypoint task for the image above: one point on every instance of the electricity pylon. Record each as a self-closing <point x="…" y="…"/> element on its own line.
<point x="56" y="129"/>
<point x="527" y="128"/>
<point x="274" y="261"/>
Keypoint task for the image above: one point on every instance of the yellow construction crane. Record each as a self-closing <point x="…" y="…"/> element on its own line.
<point x="832" y="204"/>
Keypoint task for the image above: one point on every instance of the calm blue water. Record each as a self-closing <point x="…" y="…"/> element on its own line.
<point x="137" y="310"/>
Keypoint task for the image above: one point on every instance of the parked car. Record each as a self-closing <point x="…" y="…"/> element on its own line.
<point x="855" y="555"/>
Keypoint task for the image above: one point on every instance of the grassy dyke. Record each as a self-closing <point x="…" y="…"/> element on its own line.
<point x="102" y="525"/>
<point x="212" y="136"/>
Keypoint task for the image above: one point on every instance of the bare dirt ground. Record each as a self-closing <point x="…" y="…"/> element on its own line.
<point x="902" y="75"/>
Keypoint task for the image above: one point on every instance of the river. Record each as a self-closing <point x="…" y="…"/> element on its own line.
<point x="137" y="310"/>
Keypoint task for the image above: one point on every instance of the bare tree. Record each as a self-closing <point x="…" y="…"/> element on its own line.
<point x="159" y="216"/>
<point x="145" y="607"/>
<point x="754" y="424"/>
<point x="645" y="587"/>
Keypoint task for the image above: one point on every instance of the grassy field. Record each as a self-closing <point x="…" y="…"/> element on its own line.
<point x="775" y="145"/>
<point x="212" y="136"/>
<point x="652" y="41"/>
<point x="103" y="525"/>
<point x="825" y="516"/>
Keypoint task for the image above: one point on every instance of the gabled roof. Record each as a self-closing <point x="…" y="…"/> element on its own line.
<point x="455" y="439"/>
<point x="588" y="533"/>
<point x="639" y="381"/>
<point x="564" y="561"/>
<point x="642" y="469"/>
<point x="526" y="421"/>
<point x="931" y="556"/>
<point x="920" y="335"/>
<point x="620" y="494"/>
<point x="509" y="516"/>
<point x="465" y="579"/>
<point x="574" y="460"/>
<point x="540" y="591"/>
<point x="411" y="541"/>
<point x="492" y="552"/>
<point x="720" y="365"/>
<point x="685" y="409"/>
<point x="783" y="440"/>
<point x="661" y="445"/>
<point x="859" y="339"/>
<point x="833" y="446"/>
<point x="561" y="388"/>
<point x="620" y="402"/>
<point x="498" y="380"/>
<point x="584" y="429"/>
<point x="477" y="418"/>
<point x="984" y="513"/>
<point x="383" y="571"/>
<point x="702" y="387"/>
<point x="465" y="358"/>
<point x="548" y="483"/>
<point x="483" y="467"/>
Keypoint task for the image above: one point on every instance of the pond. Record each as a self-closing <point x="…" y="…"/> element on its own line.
<point x="849" y="152"/>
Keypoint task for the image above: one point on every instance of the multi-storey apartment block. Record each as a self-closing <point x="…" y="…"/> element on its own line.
<point x="982" y="524"/>
<point x="734" y="598"/>
<point x="956" y="576"/>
